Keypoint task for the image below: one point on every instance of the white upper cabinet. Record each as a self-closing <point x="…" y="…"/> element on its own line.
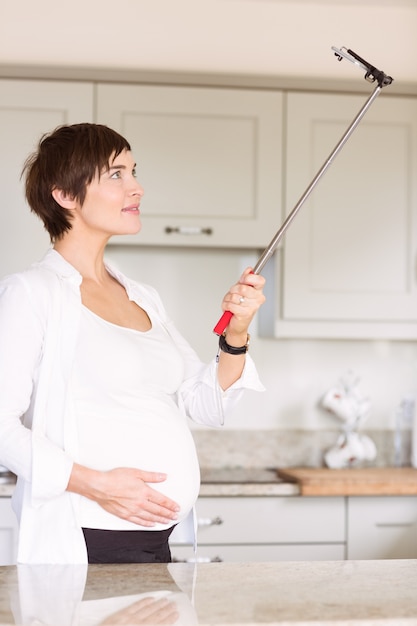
<point x="28" y="110"/>
<point x="219" y="165"/>
<point x="348" y="265"/>
<point x="209" y="160"/>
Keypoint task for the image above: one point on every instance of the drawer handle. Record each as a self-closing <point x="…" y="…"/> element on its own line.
<point x="188" y="230"/>
<point x="394" y="524"/>
<point x="198" y="559"/>
<point x="209" y="521"/>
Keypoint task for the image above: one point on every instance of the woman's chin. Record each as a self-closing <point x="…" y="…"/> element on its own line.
<point x="131" y="229"/>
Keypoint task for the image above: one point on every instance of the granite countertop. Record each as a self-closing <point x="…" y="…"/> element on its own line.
<point x="243" y="481"/>
<point x="227" y="481"/>
<point x="315" y="593"/>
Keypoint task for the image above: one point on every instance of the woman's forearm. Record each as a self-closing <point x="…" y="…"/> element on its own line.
<point x="231" y="366"/>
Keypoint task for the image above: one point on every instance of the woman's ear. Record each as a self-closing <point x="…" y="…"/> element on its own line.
<point x="63" y="199"/>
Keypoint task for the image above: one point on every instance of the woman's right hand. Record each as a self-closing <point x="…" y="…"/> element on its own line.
<point x="125" y="492"/>
<point x="147" y="610"/>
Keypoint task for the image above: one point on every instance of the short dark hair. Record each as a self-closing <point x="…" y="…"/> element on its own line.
<point x="68" y="158"/>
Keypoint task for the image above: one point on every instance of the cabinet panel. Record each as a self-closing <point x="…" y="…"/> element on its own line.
<point x="28" y="110"/>
<point x="208" y="159"/>
<point x="349" y="258"/>
<point x="270" y="520"/>
<point x="8" y="533"/>
<point x="382" y="527"/>
<point x="260" y="553"/>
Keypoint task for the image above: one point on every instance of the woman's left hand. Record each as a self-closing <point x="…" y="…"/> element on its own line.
<point x="243" y="300"/>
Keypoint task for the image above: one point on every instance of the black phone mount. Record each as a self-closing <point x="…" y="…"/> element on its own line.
<point x="372" y="73"/>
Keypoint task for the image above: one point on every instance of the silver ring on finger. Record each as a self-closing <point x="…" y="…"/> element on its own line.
<point x="241" y="300"/>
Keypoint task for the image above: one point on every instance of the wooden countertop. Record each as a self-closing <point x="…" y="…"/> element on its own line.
<point x="370" y="481"/>
<point x="348" y="593"/>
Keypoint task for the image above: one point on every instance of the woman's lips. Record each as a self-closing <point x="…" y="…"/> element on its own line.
<point x="134" y="208"/>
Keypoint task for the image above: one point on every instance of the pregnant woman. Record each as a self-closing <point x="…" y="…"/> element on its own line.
<point x="96" y="383"/>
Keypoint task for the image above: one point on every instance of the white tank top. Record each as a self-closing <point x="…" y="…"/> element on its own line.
<point x="124" y="384"/>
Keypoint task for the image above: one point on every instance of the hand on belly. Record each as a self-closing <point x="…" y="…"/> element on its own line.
<point x="126" y="493"/>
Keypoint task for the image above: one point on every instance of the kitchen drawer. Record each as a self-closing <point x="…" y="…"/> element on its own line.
<point x="266" y="520"/>
<point x="382" y="527"/>
<point x="260" y="553"/>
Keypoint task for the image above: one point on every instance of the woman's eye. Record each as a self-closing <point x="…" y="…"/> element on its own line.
<point x="116" y="174"/>
<point x="134" y="173"/>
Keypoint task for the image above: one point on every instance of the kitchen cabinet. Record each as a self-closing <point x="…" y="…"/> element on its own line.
<point x="382" y="527"/>
<point x="348" y="265"/>
<point x="212" y="164"/>
<point x="8" y="533"/>
<point x="283" y="528"/>
<point x="303" y="528"/>
<point x="209" y="160"/>
<point x="29" y="109"/>
<point x="267" y="529"/>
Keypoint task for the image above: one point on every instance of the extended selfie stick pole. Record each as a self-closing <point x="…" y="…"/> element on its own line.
<point x="372" y="75"/>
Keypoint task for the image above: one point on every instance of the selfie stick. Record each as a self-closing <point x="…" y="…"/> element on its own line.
<point x="372" y="75"/>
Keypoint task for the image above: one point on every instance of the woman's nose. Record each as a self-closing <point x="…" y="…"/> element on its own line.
<point x="137" y="188"/>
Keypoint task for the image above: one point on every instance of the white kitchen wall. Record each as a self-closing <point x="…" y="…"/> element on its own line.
<point x="296" y="373"/>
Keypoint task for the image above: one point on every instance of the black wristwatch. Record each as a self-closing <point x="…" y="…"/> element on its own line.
<point x="224" y="346"/>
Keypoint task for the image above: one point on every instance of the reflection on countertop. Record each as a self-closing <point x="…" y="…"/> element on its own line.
<point x="358" y="593"/>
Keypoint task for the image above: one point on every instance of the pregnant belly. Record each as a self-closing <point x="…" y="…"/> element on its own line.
<point x="159" y="442"/>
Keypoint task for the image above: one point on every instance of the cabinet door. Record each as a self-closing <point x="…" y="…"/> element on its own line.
<point x="382" y="527"/>
<point x="28" y="110"/>
<point x="349" y="261"/>
<point x="8" y="533"/>
<point x="208" y="159"/>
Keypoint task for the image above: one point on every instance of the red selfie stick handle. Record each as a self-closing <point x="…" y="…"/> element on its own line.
<point x="223" y="323"/>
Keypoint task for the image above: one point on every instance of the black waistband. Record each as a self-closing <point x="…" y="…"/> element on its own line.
<point x="127" y="546"/>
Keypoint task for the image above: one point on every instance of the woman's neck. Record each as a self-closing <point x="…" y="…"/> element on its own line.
<point x="88" y="260"/>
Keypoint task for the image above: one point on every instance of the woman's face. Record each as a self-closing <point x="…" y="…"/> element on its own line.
<point x="112" y="201"/>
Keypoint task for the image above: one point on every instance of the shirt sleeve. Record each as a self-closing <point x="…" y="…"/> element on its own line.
<point x="200" y="394"/>
<point x="21" y="352"/>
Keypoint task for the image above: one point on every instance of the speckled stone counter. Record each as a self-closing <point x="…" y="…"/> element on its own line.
<point x="227" y="481"/>
<point x="326" y="593"/>
<point x="241" y="481"/>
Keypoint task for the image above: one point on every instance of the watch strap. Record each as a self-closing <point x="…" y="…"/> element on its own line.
<point x="225" y="347"/>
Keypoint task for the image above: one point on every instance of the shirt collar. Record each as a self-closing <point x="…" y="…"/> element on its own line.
<point x="56" y="262"/>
